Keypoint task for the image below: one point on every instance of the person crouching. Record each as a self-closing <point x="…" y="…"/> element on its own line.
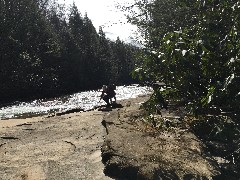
<point x="107" y="94"/>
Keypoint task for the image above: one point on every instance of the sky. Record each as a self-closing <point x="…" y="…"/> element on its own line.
<point x="104" y="13"/>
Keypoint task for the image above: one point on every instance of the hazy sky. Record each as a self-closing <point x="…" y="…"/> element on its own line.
<point x="104" y="13"/>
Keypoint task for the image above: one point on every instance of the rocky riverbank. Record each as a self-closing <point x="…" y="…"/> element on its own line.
<point x="134" y="150"/>
<point x="102" y="144"/>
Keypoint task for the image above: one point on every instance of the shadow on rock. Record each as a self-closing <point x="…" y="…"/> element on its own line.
<point x="113" y="106"/>
<point x="221" y="137"/>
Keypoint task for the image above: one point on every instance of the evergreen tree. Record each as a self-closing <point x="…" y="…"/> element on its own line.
<point x="90" y="52"/>
<point x="28" y="44"/>
<point x="75" y="49"/>
<point x="105" y="67"/>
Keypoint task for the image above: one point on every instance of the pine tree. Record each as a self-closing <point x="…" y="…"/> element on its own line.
<point x="27" y="45"/>
<point x="106" y="59"/>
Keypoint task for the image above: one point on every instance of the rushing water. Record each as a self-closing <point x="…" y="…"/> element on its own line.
<point x="86" y="100"/>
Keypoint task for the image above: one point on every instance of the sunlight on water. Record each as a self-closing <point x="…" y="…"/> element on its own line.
<point x="85" y="100"/>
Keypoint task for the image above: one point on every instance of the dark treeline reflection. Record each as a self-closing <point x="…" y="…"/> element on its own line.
<point x="48" y="51"/>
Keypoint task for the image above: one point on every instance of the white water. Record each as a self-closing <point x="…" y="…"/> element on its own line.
<point x="86" y="100"/>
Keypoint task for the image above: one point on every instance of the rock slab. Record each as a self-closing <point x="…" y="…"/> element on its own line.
<point x="134" y="150"/>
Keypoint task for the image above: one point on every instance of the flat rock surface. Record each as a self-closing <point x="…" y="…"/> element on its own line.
<point x="59" y="147"/>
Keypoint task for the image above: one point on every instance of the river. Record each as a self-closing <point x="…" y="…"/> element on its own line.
<point x="86" y="100"/>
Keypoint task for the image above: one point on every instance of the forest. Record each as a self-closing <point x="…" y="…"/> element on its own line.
<point x="49" y="50"/>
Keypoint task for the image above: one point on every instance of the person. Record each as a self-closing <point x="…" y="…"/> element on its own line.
<point x="111" y="91"/>
<point x="108" y="93"/>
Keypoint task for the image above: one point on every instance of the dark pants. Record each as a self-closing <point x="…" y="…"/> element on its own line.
<point x="106" y="99"/>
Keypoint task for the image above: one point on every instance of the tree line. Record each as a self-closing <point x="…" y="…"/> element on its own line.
<point x="47" y="51"/>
